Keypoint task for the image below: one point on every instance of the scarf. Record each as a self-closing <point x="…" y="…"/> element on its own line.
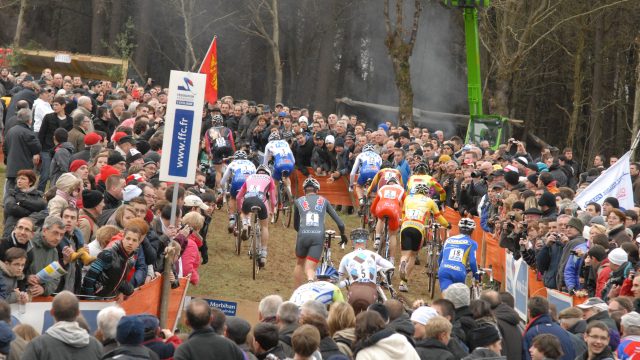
<point x="66" y="196"/>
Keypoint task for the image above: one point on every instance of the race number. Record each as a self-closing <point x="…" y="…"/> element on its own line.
<point x="220" y="142"/>
<point x="389" y="194"/>
<point x="456" y="255"/>
<point x="414" y="214"/>
<point x="312" y="219"/>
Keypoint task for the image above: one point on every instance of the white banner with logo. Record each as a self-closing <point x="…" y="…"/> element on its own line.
<point x="517" y="283"/>
<point x="614" y="182"/>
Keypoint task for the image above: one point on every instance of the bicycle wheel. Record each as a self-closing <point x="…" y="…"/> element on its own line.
<point x="287" y="206"/>
<point x="276" y="211"/>
<point x="383" y="249"/>
<point x="433" y="271"/>
<point x="238" y="232"/>
<point x="254" y="247"/>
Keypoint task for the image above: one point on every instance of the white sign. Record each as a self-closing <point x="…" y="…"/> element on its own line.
<point x="517" y="283"/>
<point x="62" y="58"/>
<point x="559" y="299"/>
<point x="182" y="123"/>
<point x="614" y="182"/>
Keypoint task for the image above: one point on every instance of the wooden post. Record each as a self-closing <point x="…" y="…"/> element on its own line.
<point x="166" y="284"/>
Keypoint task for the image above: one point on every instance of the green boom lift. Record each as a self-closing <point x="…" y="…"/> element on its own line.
<point x="493" y="128"/>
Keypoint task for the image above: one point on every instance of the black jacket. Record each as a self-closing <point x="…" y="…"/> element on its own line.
<point x="131" y="352"/>
<point x="19" y="204"/>
<point x="107" y="275"/>
<point x="110" y="202"/>
<point x="108" y="127"/>
<point x="508" y="320"/>
<point x="20" y="145"/>
<point x="24" y="94"/>
<point x="275" y="351"/>
<point x="432" y="349"/>
<point x="50" y="123"/>
<point x="463" y="324"/>
<point x="200" y="344"/>
<point x="328" y="347"/>
<point x="302" y="154"/>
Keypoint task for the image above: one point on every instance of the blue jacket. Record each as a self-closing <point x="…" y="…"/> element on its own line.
<point x="572" y="269"/>
<point x="484" y="216"/>
<point x="547" y="262"/>
<point x="405" y="171"/>
<point x="544" y="325"/>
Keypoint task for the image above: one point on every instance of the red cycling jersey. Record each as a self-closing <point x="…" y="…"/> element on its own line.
<point x="388" y="202"/>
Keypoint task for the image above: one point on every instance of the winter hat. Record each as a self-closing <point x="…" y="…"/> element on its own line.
<point x="92" y="138"/>
<point x="511" y="177"/>
<point x="134" y="177"/>
<point x="114" y="158"/>
<point x="6" y="337"/>
<point x="340" y="142"/>
<point x="510" y="168"/>
<point x="330" y="139"/>
<point x="133" y="155"/>
<point x="76" y="164"/>
<point x="618" y="256"/>
<point x="107" y="171"/>
<point x="119" y="135"/>
<point x="533" y="178"/>
<point x="423" y="314"/>
<point x="576" y="223"/>
<point x="380" y="309"/>
<point x="153" y="156"/>
<point x="149" y="322"/>
<point x="130" y="192"/>
<point x="384" y="127"/>
<point x="91" y="198"/>
<point x="612" y="201"/>
<point x="533" y="211"/>
<point x="547" y="199"/>
<point x="597" y="220"/>
<point x="518" y="205"/>
<point x="522" y="160"/>
<point x="630" y="319"/>
<point x="67" y="181"/>
<point x="459" y="294"/>
<point x="597" y="252"/>
<point x="303" y="119"/>
<point x="484" y="335"/>
<point x="130" y="330"/>
<point x="143" y="146"/>
<point x="542" y="167"/>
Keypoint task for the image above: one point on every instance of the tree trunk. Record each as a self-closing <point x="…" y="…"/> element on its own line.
<point x="577" y="90"/>
<point x="500" y="103"/>
<point x="325" y="85"/>
<point x="143" y="26"/>
<point x="402" y="71"/>
<point x="99" y="11"/>
<point x="20" y="23"/>
<point x="636" y="104"/>
<point x="275" y="49"/>
<point x="115" y="20"/>
<point x="595" y="124"/>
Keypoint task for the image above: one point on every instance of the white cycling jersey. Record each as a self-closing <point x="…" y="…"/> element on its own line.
<point x="362" y="265"/>
<point x="279" y="149"/>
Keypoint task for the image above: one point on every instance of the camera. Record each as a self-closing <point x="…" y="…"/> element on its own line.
<point x="512" y="217"/>
<point x="478" y="174"/>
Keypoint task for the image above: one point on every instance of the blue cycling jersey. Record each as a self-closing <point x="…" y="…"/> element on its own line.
<point x="457" y="253"/>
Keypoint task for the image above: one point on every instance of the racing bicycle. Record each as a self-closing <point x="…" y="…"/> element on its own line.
<point x="368" y="221"/>
<point x="285" y="203"/>
<point x="487" y="282"/>
<point x="433" y="248"/>
<point x="384" y="247"/>
<point x="325" y="259"/>
<point x="255" y="238"/>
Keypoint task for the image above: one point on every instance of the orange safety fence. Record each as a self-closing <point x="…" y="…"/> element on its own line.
<point x="337" y="192"/>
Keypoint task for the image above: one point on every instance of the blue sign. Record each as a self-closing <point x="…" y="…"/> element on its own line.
<point x="560" y="300"/>
<point x="91" y="316"/>
<point x="227" y="307"/>
<point x="181" y="143"/>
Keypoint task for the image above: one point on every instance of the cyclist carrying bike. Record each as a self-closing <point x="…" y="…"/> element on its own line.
<point x="283" y="160"/>
<point x="367" y="165"/>
<point x="308" y="220"/>
<point x="388" y="203"/>
<point x="237" y="173"/>
<point x="257" y="190"/>
<point x="219" y="145"/>
<point x="458" y="253"/>
<point x="420" y="176"/>
<point x="359" y="268"/>
<point x="417" y="209"/>
<point x="323" y="291"/>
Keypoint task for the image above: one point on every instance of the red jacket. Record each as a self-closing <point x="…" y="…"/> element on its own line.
<point x="604" y="273"/>
<point x="190" y="259"/>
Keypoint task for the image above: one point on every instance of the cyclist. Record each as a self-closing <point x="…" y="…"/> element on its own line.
<point x="367" y="164"/>
<point x="386" y="172"/>
<point x="388" y="202"/>
<point x="416" y="211"/>
<point x="420" y="176"/>
<point x="308" y="220"/>
<point x="257" y="190"/>
<point x="283" y="160"/>
<point x="323" y="291"/>
<point x="359" y="268"/>
<point x="219" y="144"/>
<point x="237" y="173"/>
<point x="458" y="252"/>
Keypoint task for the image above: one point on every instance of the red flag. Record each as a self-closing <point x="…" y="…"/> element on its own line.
<point x="209" y="67"/>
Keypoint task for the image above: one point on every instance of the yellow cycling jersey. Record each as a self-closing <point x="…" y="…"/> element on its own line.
<point x="416" y="211"/>
<point x="430" y="181"/>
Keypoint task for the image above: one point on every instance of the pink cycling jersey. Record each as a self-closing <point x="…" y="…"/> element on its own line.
<point x="258" y="185"/>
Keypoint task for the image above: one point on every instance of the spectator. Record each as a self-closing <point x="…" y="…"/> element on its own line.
<point x="68" y="188"/>
<point x="597" y="338"/>
<point x="164" y="346"/>
<point x="237" y="330"/>
<point x="545" y="347"/>
<point x="486" y="343"/>
<point x="459" y="295"/>
<point x="342" y="323"/>
<point x="508" y="321"/>
<point x="399" y="320"/>
<point x="287" y="321"/>
<point x="21" y="147"/>
<point x="595" y="309"/>
<point x="305" y="341"/>
<point x="218" y="319"/>
<point x="446" y="309"/>
<point x="11" y="272"/>
<point x="65" y="339"/>
<point x="190" y="259"/>
<point x="22" y="201"/>
<point x="130" y="335"/>
<point x="107" y="320"/>
<point x="574" y="240"/>
<point x="375" y="342"/>
<point x="93" y="204"/>
<point x="619" y="268"/>
<point x="541" y="323"/>
<point x="44" y="253"/>
<point x="630" y="341"/>
<point x="265" y="341"/>
<point x="571" y="320"/>
<point x="20" y="237"/>
<point x="203" y="339"/>
<point x="268" y="308"/>
<point x="432" y="344"/>
<point x="61" y="155"/>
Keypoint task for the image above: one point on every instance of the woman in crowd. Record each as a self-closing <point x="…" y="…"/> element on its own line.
<point x="22" y="201"/>
<point x="190" y="259"/>
<point x="98" y="162"/>
<point x="68" y="188"/>
<point x="342" y="326"/>
<point x="376" y="342"/>
<point x="615" y="227"/>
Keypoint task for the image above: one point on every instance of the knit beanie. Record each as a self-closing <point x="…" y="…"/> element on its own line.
<point x="91" y="198"/>
<point x="612" y="201"/>
<point x="130" y="331"/>
<point x="575" y="223"/>
<point x="108" y="170"/>
<point x="547" y="199"/>
<point x="459" y="294"/>
<point x="512" y="177"/>
<point x="76" y="164"/>
<point x="618" y="256"/>
<point x="533" y="178"/>
<point x="114" y="158"/>
<point x="484" y="335"/>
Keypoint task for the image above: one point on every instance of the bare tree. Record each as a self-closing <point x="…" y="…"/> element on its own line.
<point x="399" y="44"/>
<point x="259" y="11"/>
<point x="636" y="105"/>
<point x="20" y="23"/>
<point x="99" y="12"/>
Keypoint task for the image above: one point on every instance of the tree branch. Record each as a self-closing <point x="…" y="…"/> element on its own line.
<point x="414" y="30"/>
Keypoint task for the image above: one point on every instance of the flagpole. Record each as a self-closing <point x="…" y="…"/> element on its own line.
<point x="207" y="53"/>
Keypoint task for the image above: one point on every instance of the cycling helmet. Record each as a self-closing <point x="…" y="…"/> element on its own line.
<point x="311" y="182"/>
<point x="274" y="136"/>
<point x="392" y="178"/>
<point x="421" y="169"/>
<point x="467" y="225"/>
<point x="264" y="168"/>
<point x="421" y="189"/>
<point x="359" y="235"/>
<point x="368" y="147"/>
<point x="240" y="155"/>
<point x="287" y="135"/>
<point x="217" y="120"/>
<point x="386" y="165"/>
<point x="327" y="273"/>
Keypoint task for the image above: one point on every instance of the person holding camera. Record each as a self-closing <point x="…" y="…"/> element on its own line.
<point x="573" y="233"/>
<point x="470" y="190"/>
<point x="548" y="258"/>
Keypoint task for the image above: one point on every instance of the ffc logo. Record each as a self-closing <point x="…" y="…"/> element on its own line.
<point x="188" y="84"/>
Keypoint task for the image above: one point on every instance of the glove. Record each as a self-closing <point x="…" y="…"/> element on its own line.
<point x="343" y="239"/>
<point x="343" y="284"/>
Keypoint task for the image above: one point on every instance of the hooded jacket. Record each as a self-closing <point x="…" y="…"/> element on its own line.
<point x="403" y="326"/>
<point x="345" y="338"/>
<point x="484" y="353"/>
<point x="43" y="255"/>
<point x="107" y="275"/>
<point x="566" y="252"/>
<point x="60" y="161"/>
<point x="508" y="321"/>
<point x="432" y="349"/>
<point x="543" y="324"/>
<point x="383" y="345"/>
<point x="64" y="341"/>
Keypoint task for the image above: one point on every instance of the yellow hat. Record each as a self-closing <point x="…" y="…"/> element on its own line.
<point x="444" y="158"/>
<point x="497" y="167"/>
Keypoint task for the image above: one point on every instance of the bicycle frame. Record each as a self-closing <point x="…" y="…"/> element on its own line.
<point x="325" y="261"/>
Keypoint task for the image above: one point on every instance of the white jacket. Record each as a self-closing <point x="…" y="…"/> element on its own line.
<point x="393" y="347"/>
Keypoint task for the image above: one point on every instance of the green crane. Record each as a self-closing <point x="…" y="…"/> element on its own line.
<point x="492" y="128"/>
